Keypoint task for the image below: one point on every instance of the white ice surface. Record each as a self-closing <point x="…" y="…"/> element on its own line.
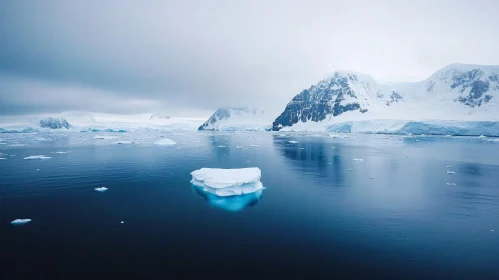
<point x="165" y="142"/>
<point x="38" y="157"/>
<point x="101" y="189"/>
<point x="217" y="178"/>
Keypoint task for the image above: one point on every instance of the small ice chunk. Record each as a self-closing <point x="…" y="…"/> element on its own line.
<point x="20" y="221"/>
<point x="221" y="146"/>
<point x="1" y="158"/>
<point x="222" y="178"/>
<point x="358" y="159"/>
<point x="448" y="166"/>
<point x="101" y="189"/>
<point x="254" y="146"/>
<point x="293" y="142"/>
<point x="450" y="184"/>
<point x="38" y="170"/>
<point x="122" y="142"/>
<point x="38" y="157"/>
<point x="239" y="147"/>
<point x="350" y="169"/>
<point x="66" y="152"/>
<point x="165" y="142"/>
<point x="122" y="222"/>
<point x="482" y="136"/>
<point x="105" y="137"/>
<point x="451" y="172"/>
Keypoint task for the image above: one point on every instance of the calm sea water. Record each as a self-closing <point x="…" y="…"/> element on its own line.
<point x="394" y="213"/>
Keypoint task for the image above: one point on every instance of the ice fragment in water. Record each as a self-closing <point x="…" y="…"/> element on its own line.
<point x="101" y="189"/>
<point x="293" y="142"/>
<point x="228" y="182"/>
<point x="165" y="142"/>
<point x="20" y="221"/>
<point x="38" y="157"/>
<point x="358" y="159"/>
<point x="451" y="172"/>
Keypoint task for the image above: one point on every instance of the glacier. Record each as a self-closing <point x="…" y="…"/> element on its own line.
<point x="406" y="127"/>
<point x="228" y="182"/>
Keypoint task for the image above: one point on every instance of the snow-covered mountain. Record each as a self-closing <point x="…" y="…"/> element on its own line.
<point x="460" y="93"/>
<point x="232" y="119"/>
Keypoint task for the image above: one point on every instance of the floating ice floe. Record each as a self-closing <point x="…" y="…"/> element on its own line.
<point x="228" y="182"/>
<point x="221" y="146"/>
<point x="66" y="152"/>
<point x="20" y="221"/>
<point x="450" y="184"/>
<point x="101" y="189"/>
<point x="105" y="137"/>
<point x="1" y="158"/>
<point x="239" y="147"/>
<point x="358" y="159"/>
<point x="122" y="222"/>
<point x="38" y="157"/>
<point x="293" y="142"/>
<point x="123" y="142"/>
<point x="165" y="142"/>
<point x="254" y="146"/>
<point x="451" y="172"/>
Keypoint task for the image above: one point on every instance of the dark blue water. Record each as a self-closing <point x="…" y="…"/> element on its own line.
<point x="395" y="215"/>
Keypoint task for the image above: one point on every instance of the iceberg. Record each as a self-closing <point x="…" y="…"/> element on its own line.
<point x="228" y="182"/>
<point x="20" y="221"/>
<point x="38" y="157"/>
<point x="165" y="142"/>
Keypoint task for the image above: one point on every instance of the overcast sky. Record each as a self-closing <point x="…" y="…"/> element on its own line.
<point x="187" y="58"/>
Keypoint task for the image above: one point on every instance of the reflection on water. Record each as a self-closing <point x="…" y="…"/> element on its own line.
<point x="234" y="203"/>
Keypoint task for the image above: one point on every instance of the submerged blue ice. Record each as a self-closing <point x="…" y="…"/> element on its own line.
<point x="229" y="203"/>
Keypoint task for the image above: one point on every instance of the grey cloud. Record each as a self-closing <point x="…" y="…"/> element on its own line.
<point x="141" y="56"/>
